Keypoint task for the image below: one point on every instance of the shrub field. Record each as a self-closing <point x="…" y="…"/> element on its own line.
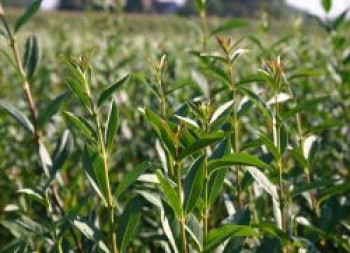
<point x="168" y="134"/>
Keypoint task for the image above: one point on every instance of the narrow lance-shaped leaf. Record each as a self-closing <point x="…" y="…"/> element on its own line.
<point x="78" y="90"/>
<point x="237" y="159"/>
<point x="217" y="178"/>
<point x="81" y="124"/>
<point x="17" y="115"/>
<point x="201" y="143"/>
<point x="52" y="108"/>
<point x="270" y="145"/>
<point x="219" y="235"/>
<point x="108" y="92"/>
<point x="171" y="194"/>
<point x="194" y="184"/>
<point x="321" y="127"/>
<point x="90" y="232"/>
<point x="303" y="106"/>
<point x="131" y="177"/>
<point x="257" y="101"/>
<point x="129" y="223"/>
<point x="93" y="166"/>
<point x="33" y="195"/>
<point x="165" y="133"/>
<point x="28" y="14"/>
<point x="32" y="56"/>
<point x="61" y="154"/>
<point x="228" y="25"/>
<point x="112" y="124"/>
<point x="220" y="115"/>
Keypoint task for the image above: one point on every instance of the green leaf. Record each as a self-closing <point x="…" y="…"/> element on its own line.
<point x="257" y="101"/>
<point x="229" y="25"/>
<point x="304" y="187"/>
<point x="237" y="159"/>
<point x="94" y="168"/>
<point x="32" y="56"/>
<point x="17" y="115"/>
<point x="283" y="139"/>
<point x="171" y="194"/>
<point x="108" y="92"/>
<point x="112" y="125"/>
<point x="264" y="182"/>
<point x="129" y="223"/>
<point x="61" y="154"/>
<point x="179" y="85"/>
<point x="194" y="229"/>
<point x="83" y="126"/>
<point x="78" y="90"/>
<point x="52" y="108"/>
<point x="219" y="235"/>
<point x="333" y="191"/>
<point x="297" y="155"/>
<point x="272" y="230"/>
<point x="130" y="178"/>
<point x="269" y="145"/>
<point x="324" y="126"/>
<point x="220" y="116"/>
<point x="200" y="143"/>
<point x="327" y="5"/>
<point x="33" y="195"/>
<point x="166" y="135"/>
<point x="29" y="13"/>
<point x="188" y="121"/>
<point x="303" y="106"/>
<point x="194" y="184"/>
<point x="90" y="232"/>
<point x="340" y="19"/>
<point x="217" y="178"/>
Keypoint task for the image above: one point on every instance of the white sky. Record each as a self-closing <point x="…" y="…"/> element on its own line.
<point x="311" y="6"/>
<point x="315" y="7"/>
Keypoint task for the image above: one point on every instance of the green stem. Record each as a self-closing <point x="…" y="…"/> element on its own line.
<point x="178" y="168"/>
<point x="279" y="162"/>
<point x="25" y="83"/>
<point x="235" y="145"/>
<point x="110" y="204"/>
<point x="206" y="200"/>
<point x="183" y="218"/>
<point x="301" y="145"/>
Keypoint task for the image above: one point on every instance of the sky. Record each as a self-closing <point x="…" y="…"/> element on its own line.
<point x="315" y="7"/>
<point x="311" y="6"/>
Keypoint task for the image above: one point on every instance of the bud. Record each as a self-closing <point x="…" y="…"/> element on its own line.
<point x="1" y="10"/>
<point x="225" y="44"/>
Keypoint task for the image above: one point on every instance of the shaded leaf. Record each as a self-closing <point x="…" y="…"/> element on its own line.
<point x="17" y="115"/>
<point x="170" y="193"/>
<point x="112" y="124"/>
<point x="108" y="92"/>
<point x="219" y="235"/>
<point x="130" y="178"/>
<point x="32" y="56"/>
<point x="229" y="25"/>
<point x="194" y="184"/>
<point x="28" y="14"/>
<point x="237" y="159"/>
<point x="200" y="143"/>
<point x="90" y="232"/>
<point x="52" y="108"/>
<point x="129" y="223"/>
